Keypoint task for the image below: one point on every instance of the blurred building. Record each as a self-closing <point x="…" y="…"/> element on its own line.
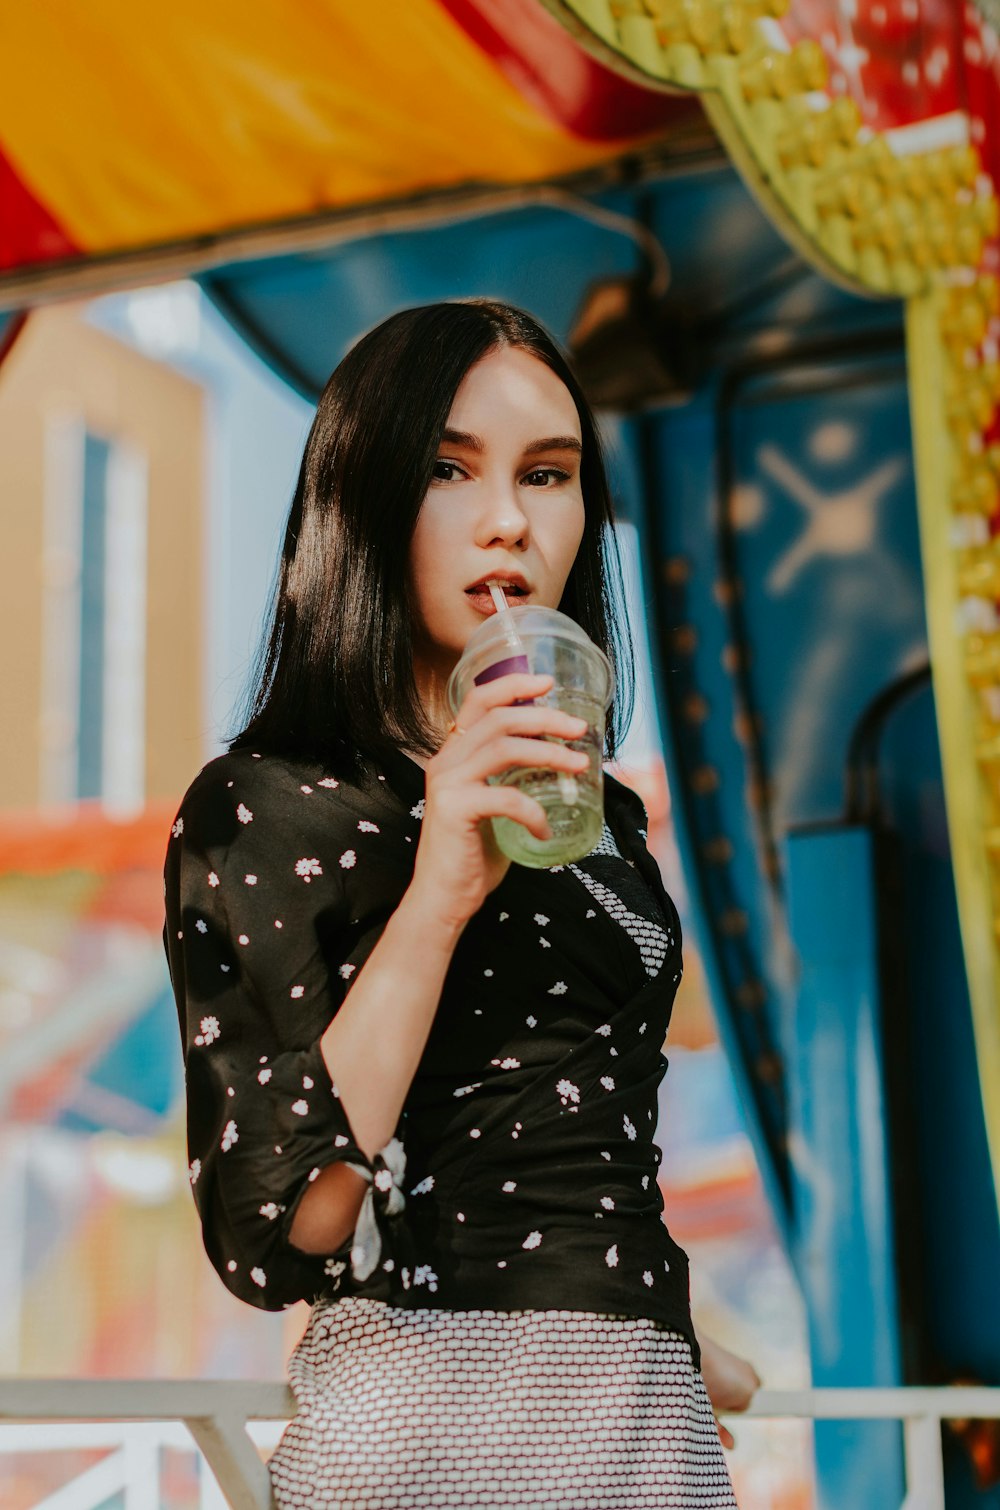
<point x="101" y="531"/>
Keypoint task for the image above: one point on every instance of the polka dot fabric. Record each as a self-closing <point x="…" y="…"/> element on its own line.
<point x="402" y="1409"/>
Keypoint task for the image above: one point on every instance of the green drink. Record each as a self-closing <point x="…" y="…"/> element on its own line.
<point x="544" y="641"/>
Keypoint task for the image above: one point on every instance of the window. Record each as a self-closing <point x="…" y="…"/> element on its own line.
<point x="94" y="619"/>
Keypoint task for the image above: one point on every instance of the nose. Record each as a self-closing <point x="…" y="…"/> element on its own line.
<point x="502" y="518"/>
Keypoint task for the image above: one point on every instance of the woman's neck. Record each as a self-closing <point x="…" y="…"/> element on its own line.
<point x="431" y="683"/>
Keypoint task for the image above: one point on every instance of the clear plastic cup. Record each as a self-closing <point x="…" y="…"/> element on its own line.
<point x="544" y="641"/>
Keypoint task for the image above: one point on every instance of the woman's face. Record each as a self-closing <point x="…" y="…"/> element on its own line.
<point x="505" y="502"/>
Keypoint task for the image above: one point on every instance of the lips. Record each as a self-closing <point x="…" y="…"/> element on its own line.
<point x="481" y="599"/>
<point x="514" y="585"/>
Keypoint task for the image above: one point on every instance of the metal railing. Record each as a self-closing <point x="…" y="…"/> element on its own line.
<point x="134" y="1419"/>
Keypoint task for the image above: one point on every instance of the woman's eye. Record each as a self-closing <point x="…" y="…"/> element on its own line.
<point x="445" y="471"/>
<point x="542" y="476"/>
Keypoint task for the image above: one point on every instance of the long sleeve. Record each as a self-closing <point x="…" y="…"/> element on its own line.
<point x="262" y="945"/>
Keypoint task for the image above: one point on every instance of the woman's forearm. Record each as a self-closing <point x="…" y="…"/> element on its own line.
<point x="372" y="1049"/>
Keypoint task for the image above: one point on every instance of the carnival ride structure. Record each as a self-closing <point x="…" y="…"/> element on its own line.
<point x="768" y="231"/>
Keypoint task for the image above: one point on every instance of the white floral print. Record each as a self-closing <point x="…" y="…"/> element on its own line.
<point x="495" y="1021"/>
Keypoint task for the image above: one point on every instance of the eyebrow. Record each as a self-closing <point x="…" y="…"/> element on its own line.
<point x="535" y="448"/>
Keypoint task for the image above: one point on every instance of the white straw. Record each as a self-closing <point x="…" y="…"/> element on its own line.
<point x="503" y="609"/>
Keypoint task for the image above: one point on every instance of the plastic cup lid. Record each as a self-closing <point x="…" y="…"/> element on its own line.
<point x="531" y="622"/>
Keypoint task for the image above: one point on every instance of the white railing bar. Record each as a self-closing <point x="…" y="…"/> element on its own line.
<point x="235" y="1461"/>
<point x="141" y="1473"/>
<point x="64" y="1436"/>
<point x="944" y="1403"/>
<point x="924" y="1463"/>
<point x="39" y="1400"/>
<point x="136" y="1417"/>
<point x="215" y="1413"/>
<point x="142" y="1400"/>
<point x="41" y="1436"/>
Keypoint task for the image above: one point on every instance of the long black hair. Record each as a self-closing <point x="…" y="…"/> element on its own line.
<point x="333" y="677"/>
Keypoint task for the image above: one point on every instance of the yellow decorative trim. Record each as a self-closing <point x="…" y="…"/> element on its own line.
<point x="966" y="682"/>
<point x="893" y="214"/>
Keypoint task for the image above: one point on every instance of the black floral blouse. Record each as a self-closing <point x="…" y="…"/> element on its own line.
<point x="522" y="1173"/>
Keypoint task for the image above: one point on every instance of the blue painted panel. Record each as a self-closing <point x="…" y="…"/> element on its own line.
<point x="958" y="1236"/>
<point x="682" y="524"/>
<point x="308" y="310"/>
<point x="301" y="313"/>
<point x="829" y="560"/>
<point x="839" y="1156"/>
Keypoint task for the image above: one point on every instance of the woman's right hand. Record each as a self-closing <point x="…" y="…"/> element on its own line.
<point x="458" y="863"/>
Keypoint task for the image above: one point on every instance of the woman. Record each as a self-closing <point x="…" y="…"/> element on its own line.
<point x="422" y="1081"/>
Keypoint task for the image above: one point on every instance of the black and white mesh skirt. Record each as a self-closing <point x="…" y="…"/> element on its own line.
<point x="401" y="1409"/>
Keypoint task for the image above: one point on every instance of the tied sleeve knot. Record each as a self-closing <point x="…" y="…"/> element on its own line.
<point x="383" y="1199"/>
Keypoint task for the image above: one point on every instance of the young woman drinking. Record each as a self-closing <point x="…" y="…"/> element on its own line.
<point x="422" y="1081"/>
